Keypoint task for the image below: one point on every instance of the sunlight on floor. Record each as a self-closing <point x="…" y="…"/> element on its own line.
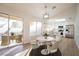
<point x="12" y="43"/>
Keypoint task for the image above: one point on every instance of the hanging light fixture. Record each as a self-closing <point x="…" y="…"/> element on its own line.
<point x="46" y="15"/>
<point x="45" y="19"/>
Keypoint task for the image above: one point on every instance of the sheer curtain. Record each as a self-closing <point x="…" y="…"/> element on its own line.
<point x="35" y="28"/>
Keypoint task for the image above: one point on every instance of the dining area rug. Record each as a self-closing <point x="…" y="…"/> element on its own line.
<point x="37" y="52"/>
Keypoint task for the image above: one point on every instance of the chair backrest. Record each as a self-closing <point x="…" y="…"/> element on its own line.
<point x="5" y="41"/>
<point x="58" y="38"/>
<point x="33" y="41"/>
<point x="34" y="44"/>
<point x="53" y="45"/>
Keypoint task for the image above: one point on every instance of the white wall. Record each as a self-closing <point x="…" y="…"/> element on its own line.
<point x="77" y="26"/>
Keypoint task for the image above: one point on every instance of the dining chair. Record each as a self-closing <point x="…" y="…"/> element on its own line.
<point x="5" y="41"/>
<point x="34" y="44"/>
<point x="18" y="38"/>
<point x="52" y="47"/>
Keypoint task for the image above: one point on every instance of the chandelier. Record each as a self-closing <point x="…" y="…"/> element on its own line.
<point x="45" y="20"/>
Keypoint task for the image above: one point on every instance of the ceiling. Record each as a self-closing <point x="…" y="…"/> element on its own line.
<point x="36" y="10"/>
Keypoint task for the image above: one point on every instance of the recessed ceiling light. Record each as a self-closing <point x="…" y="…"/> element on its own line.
<point x="60" y="20"/>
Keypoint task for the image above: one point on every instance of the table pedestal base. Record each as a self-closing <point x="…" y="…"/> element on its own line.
<point x="45" y="52"/>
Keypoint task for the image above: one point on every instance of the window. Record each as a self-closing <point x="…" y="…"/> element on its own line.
<point x="15" y="26"/>
<point x="11" y="30"/>
<point x="35" y="28"/>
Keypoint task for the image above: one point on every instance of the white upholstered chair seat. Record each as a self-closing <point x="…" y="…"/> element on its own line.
<point x="52" y="47"/>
